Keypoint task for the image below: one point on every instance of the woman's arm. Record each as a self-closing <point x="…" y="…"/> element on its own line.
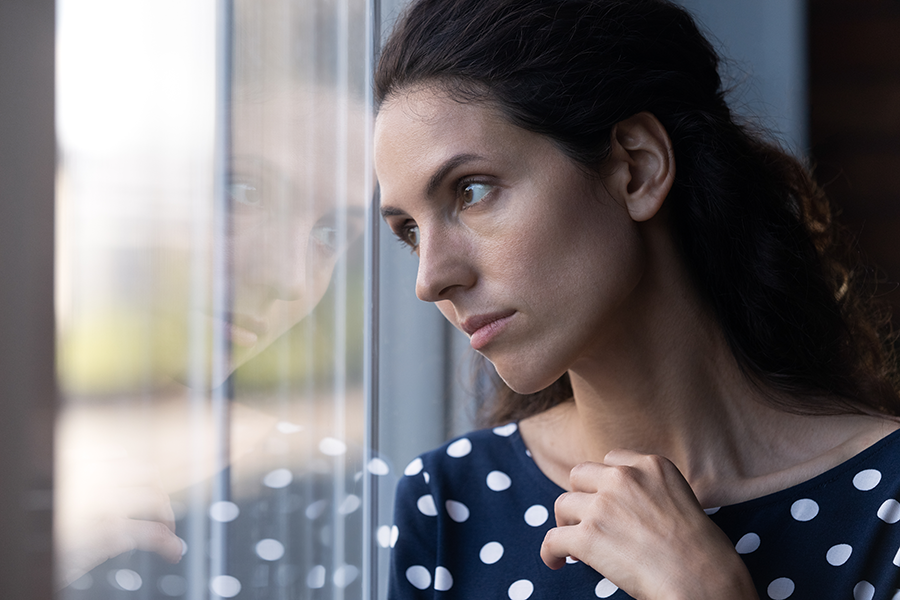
<point x="635" y="519"/>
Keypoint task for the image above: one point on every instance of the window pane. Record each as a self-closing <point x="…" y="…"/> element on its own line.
<point x="211" y="198"/>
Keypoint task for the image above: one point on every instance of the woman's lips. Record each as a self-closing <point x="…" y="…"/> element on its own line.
<point x="242" y="330"/>
<point x="240" y="336"/>
<point x="484" y="328"/>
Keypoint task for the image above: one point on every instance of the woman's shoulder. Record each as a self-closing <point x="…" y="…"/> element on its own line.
<point x="496" y="446"/>
<point x="486" y="465"/>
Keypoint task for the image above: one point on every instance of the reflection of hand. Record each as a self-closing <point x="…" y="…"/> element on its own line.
<point x="635" y="519"/>
<point x="107" y="508"/>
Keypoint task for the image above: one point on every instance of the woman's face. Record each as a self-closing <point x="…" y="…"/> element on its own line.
<point x="293" y="212"/>
<point x="297" y="196"/>
<point x="520" y="249"/>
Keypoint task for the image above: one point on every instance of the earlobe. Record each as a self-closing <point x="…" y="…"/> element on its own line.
<point x="644" y="165"/>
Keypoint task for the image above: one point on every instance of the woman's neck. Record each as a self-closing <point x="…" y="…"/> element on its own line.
<point x="664" y="381"/>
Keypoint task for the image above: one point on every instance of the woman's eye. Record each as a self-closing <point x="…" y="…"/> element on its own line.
<point x="473" y="193"/>
<point x="245" y="193"/>
<point x="327" y="236"/>
<point x="410" y="236"/>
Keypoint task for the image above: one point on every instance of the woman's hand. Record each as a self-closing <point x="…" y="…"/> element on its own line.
<point x="635" y="519"/>
<point x="106" y="508"/>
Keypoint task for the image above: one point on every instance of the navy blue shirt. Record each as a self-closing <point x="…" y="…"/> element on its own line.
<point x="472" y="514"/>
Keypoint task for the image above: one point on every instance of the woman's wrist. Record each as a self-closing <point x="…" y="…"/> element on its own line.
<point x="725" y="578"/>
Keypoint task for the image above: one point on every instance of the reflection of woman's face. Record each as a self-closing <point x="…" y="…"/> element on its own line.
<point x="518" y="247"/>
<point x="296" y="197"/>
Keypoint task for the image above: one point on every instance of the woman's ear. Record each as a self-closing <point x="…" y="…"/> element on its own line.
<point x="642" y="166"/>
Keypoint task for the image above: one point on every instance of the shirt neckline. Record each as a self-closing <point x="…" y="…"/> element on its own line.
<point x="789" y="493"/>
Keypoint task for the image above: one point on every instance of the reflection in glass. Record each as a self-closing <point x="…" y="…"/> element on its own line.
<point x="210" y="336"/>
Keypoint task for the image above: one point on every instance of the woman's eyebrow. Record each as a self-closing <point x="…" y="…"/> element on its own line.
<point x="434" y="182"/>
<point x="449" y="165"/>
<point x="390" y="211"/>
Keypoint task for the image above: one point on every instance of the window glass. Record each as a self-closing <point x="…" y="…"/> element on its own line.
<point x="211" y="197"/>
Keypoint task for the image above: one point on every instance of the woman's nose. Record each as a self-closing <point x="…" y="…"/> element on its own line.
<point x="285" y="263"/>
<point x="444" y="266"/>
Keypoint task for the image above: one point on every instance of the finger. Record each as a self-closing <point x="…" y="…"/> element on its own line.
<point x="592" y="478"/>
<point x="147" y="504"/>
<point x="620" y="457"/>
<point x="586" y="477"/>
<point x="569" y="507"/>
<point x="124" y="535"/>
<point x="658" y="468"/>
<point x="558" y="544"/>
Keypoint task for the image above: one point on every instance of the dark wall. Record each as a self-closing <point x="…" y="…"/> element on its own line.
<point x="27" y="390"/>
<point x="854" y="57"/>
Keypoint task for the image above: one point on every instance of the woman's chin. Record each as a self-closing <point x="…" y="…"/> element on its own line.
<point x="524" y="381"/>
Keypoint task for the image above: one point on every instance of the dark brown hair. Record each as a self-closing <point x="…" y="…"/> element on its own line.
<point x="755" y="231"/>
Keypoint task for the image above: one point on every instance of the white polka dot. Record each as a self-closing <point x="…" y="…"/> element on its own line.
<point x="498" y="481"/>
<point x="315" y="510"/>
<point x="128" y="580"/>
<point x="350" y="504"/>
<point x="288" y="427"/>
<point x="278" y="478"/>
<point x="269" y="549"/>
<point x="747" y="544"/>
<point x="605" y="588"/>
<point x="377" y="466"/>
<point x="383" y="535"/>
<point x="536" y="515"/>
<point x="896" y="560"/>
<point x="458" y="511"/>
<point x="426" y="505"/>
<point x="528" y="453"/>
<point x="804" y="510"/>
<point x="225" y="586"/>
<point x="863" y="591"/>
<point x="184" y="546"/>
<point x="395" y="533"/>
<point x="172" y="585"/>
<point x="889" y="512"/>
<point x="838" y="554"/>
<point x="491" y="553"/>
<point x="224" y="512"/>
<point x="459" y="448"/>
<point x="413" y="468"/>
<point x="426" y="476"/>
<point x="506" y="430"/>
<point x="443" y="581"/>
<point x="419" y="577"/>
<point x="866" y="480"/>
<point x="521" y="590"/>
<point x="896" y="596"/>
<point x="712" y="511"/>
<point x="315" y="579"/>
<point x="571" y="561"/>
<point x="780" y="589"/>
<point x="345" y="575"/>
<point x="332" y="446"/>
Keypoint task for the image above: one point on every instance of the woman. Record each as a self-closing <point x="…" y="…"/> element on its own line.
<point x="659" y="290"/>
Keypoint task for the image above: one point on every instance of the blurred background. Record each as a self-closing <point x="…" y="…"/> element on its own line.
<point x="211" y="352"/>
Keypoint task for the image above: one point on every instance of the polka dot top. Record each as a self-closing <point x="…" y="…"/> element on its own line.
<point x="470" y="518"/>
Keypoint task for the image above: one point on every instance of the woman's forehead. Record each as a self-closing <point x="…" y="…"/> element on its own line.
<point x="421" y="129"/>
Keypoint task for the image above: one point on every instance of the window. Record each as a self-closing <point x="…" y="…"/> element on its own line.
<point x="234" y="326"/>
<point x="211" y="204"/>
